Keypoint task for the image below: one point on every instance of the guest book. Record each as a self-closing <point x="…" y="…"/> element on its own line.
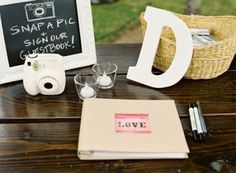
<point x="130" y="129"/>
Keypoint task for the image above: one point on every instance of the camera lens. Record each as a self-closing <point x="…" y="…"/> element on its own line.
<point x="48" y="85"/>
<point x="39" y="12"/>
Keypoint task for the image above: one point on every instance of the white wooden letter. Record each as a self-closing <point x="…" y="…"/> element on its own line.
<point x="156" y="20"/>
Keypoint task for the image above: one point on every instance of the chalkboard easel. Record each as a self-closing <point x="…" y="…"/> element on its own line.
<point x="45" y="26"/>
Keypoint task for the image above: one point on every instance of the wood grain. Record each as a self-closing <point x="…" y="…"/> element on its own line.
<point x="124" y="55"/>
<point x="53" y="147"/>
<point x="40" y="134"/>
<point x="217" y="96"/>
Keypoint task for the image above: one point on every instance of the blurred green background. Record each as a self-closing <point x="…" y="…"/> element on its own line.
<point x="120" y="19"/>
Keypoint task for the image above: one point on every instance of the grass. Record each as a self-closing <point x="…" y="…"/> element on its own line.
<point x="218" y="7"/>
<point x="111" y="19"/>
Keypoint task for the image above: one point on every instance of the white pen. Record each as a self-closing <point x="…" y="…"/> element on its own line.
<point x="203" y="123"/>
<point x="193" y="123"/>
<point x="198" y="121"/>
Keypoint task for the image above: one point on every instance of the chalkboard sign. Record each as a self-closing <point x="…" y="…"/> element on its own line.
<point x="45" y="26"/>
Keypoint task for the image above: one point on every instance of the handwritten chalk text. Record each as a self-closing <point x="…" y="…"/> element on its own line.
<point x="45" y="39"/>
<point x="41" y="26"/>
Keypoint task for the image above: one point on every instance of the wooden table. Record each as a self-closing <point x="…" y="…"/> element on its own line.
<point x="40" y="134"/>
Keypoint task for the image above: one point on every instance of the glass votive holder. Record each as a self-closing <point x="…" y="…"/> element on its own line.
<point x="86" y="86"/>
<point x="106" y="74"/>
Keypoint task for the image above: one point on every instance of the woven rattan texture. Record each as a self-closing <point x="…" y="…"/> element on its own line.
<point x="208" y="61"/>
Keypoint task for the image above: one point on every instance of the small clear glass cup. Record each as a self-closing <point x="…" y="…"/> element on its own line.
<point x="86" y="86"/>
<point x="106" y="74"/>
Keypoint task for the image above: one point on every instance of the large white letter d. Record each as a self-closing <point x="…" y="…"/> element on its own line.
<point x="156" y="20"/>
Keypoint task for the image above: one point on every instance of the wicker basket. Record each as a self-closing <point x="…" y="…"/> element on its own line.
<point x="208" y="61"/>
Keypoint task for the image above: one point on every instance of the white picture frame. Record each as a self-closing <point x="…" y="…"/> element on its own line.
<point x="86" y="57"/>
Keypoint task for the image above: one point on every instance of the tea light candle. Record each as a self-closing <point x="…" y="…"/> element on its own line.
<point x="87" y="91"/>
<point x="105" y="80"/>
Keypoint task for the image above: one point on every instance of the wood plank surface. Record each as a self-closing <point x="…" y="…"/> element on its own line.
<point x="52" y="147"/>
<point x="217" y="96"/>
<point x="40" y="134"/>
<point x="124" y="55"/>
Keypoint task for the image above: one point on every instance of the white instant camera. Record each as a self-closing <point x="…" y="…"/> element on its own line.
<point x="44" y="73"/>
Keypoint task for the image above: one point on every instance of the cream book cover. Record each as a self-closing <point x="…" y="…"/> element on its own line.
<point x="130" y="129"/>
